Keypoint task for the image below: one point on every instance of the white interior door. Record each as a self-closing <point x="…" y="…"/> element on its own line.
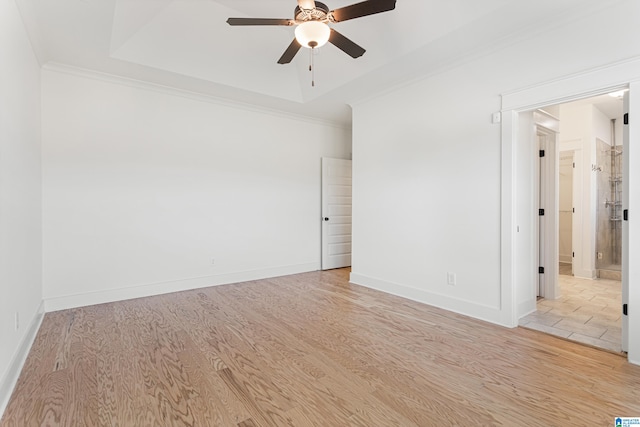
<point x="336" y="213"/>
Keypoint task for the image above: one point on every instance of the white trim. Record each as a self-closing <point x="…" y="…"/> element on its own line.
<point x="549" y="127"/>
<point x="456" y="305"/>
<point x="527" y="307"/>
<point x="626" y="268"/>
<point x="8" y="382"/>
<point x="631" y="269"/>
<point x="174" y="91"/>
<point x="152" y="289"/>
<point x="508" y="230"/>
<point x="576" y="86"/>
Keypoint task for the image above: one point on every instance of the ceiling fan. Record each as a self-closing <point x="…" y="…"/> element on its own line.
<point x="311" y="19"/>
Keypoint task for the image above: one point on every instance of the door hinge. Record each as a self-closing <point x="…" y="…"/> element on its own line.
<point x="541" y="212"/>
<point x="626" y="118"/>
<point x="541" y="153"/>
<point x="573" y="210"/>
<point x="541" y="270"/>
<point x="573" y="254"/>
<point x="625" y="214"/>
<point x="574" y="165"/>
<point x="625" y="309"/>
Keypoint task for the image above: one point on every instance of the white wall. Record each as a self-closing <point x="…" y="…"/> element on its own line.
<point x="20" y="217"/>
<point x="579" y="127"/>
<point x="426" y="186"/>
<point x="427" y="161"/>
<point x="143" y="187"/>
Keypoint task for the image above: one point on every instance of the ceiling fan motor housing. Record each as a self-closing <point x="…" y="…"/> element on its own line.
<point x="319" y="13"/>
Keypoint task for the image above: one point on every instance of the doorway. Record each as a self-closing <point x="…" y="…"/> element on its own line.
<point x="566" y="169"/>
<point x="586" y="305"/>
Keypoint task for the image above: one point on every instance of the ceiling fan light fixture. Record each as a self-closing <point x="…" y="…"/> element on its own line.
<point x="312" y="34"/>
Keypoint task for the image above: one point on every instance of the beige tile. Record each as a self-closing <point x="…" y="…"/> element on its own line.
<point x="542" y="309"/>
<point x="613" y="335"/>
<point x="547" y="329"/>
<point x="573" y="315"/>
<point x="580" y="328"/>
<point x="542" y="318"/>
<point x="587" y="310"/>
<point x="607" y="345"/>
<point x="598" y="311"/>
<point x="603" y="323"/>
<point x="549" y="303"/>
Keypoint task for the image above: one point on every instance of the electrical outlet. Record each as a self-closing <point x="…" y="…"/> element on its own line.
<point x="17" y="320"/>
<point x="451" y="279"/>
<point x="599" y="255"/>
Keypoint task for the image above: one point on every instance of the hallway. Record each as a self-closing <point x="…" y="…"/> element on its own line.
<point x="588" y="311"/>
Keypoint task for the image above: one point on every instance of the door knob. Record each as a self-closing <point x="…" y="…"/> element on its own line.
<point x="326" y="218"/>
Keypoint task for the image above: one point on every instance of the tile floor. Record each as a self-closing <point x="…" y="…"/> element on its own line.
<point x="588" y="311"/>
<point x="565" y="269"/>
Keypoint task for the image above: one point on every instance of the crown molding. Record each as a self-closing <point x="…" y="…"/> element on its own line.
<point x="183" y="93"/>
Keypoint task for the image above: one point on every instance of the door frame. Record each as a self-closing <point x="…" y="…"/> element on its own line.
<point x="626" y="174"/>
<point x="546" y="186"/>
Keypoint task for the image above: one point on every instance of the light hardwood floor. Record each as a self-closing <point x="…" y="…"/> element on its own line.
<point x="308" y="350"/>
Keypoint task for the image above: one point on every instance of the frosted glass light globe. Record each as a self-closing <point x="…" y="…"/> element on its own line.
<point x="312" y="34"/>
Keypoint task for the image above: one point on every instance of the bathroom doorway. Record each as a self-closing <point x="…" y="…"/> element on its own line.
<point x="589" y="188"/>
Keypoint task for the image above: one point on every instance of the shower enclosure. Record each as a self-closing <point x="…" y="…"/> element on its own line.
<point x="609" y="223"/>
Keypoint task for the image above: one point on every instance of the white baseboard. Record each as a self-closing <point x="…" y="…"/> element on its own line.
<point x="8" y="382"/>
<point x="585" y="274"/>
<point x="456" y="305"/>
<point x="565" y="259"/>
<point x="526" y="308"/>
<point x="146" y="290"/>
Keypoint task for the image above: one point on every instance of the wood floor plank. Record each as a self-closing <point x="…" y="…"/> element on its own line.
<point x="209" y="404"/>
<point x="307" y="350"/>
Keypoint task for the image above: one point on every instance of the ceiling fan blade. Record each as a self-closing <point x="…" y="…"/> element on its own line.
<point x="307" y="4"/>
<point x="291" y="51"/>
<point x="345" y="45"/>
<point x="369" y="7"/>
<point x="259" y="21"/>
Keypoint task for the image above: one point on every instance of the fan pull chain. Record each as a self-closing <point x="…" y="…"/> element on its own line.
<point x="312" y="68"/>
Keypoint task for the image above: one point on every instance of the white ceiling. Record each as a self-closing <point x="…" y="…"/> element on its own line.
<point x="187" y="44"/>
<point x="608" y="105"/>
